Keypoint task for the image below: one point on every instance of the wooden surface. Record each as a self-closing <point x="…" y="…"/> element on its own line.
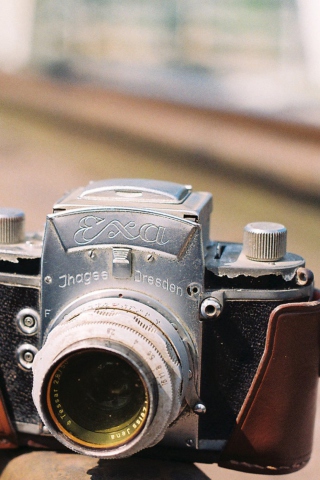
<point x="67" y="466"/>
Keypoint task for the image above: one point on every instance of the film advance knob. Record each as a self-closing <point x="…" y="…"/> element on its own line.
<point x="265" y="241"/>
<point x="11" y="226"/>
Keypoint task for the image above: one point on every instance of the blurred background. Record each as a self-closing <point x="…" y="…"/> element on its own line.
<point x="257" y="55"/>
<point x="222" y="94"/>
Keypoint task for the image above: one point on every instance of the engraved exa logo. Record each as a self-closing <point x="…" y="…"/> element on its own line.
<point x="92" y="227"/>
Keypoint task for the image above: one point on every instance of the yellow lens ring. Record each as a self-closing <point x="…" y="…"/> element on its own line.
<point x="105" y="438"/>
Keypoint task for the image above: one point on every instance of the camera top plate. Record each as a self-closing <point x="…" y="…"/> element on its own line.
<point x="125" y="192"/>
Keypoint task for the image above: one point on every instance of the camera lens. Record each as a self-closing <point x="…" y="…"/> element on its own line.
<point x="111" y="378"/>
<point x="97" y="398"/>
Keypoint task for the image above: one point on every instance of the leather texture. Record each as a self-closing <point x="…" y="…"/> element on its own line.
<point x="232" y="347"/>
<point x="7" y="434"/>
<point x="274" y="429"/>
<point x="16" y="383"/>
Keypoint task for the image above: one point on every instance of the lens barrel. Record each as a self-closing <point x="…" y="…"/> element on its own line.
<point x="110" y="378"/>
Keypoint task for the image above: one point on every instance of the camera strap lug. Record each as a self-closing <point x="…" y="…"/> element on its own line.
<point x="193" y="399"/>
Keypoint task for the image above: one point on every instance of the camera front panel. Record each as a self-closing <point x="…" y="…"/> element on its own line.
<point x="144" y="263"/>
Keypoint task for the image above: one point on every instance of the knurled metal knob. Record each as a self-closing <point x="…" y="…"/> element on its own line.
<point x="265" y="241"/>
<point x="11" y="226"/>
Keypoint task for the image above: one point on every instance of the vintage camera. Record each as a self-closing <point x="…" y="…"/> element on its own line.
<point x="126" y="328"/>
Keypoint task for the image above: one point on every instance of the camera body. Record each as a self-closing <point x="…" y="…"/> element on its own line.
<point x="126" y="328"/>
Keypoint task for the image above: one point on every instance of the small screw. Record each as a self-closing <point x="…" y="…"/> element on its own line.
<point x="194" y="290"/>
<point x="48" y="279"/>
<point x="190" y="374"/>
<point x="28" y="357"/>
<point x="189" y="442"/>
<point x="304" y="276"/>
<point x="25" y="355"/>
<point x="29" y="321"/>
<point x="92" y="254"/>
<point x="210" y="308"/>
<point x="150" y="258"/>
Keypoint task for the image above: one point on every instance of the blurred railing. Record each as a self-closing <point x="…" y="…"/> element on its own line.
<point x="233" y="53"/>
<point x="257" y="56"/>
<point x="283" y="155"/>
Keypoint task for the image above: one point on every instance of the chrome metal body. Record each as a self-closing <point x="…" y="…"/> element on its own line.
<point x="139" y="252"/>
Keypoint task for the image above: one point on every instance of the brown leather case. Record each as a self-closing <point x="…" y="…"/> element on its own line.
<point x="7" y="432"/>
<point x="274" y="429"/>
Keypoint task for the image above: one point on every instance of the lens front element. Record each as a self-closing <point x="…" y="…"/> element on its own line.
<point x="97" y="399"/>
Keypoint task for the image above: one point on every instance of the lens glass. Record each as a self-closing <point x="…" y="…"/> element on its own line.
<point x="97" y="399"/>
